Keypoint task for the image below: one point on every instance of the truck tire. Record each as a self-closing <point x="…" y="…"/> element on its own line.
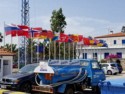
<point x="69" y="90"/>
<point x="26" y="87"/>
<point x="96" y="90"/>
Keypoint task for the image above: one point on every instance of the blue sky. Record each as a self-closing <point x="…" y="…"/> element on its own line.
<point x="86" y="17"/>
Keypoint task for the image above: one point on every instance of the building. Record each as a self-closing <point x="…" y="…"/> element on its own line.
<point x="6" y="62"/>
<point x="116" y="45"/>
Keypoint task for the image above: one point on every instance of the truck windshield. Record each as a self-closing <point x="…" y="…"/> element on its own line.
<point x="95" y="65"/>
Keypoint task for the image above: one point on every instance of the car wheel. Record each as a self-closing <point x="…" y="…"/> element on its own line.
<point x="69" y="90"/>
<point x="26" y="87"/>
<point x="120" y="72"/>
<point x="109" y="72"/>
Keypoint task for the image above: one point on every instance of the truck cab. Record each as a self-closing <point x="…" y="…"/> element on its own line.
<point x="94" y="72"/>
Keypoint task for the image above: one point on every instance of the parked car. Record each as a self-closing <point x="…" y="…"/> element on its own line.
<point x="22" y="80"/>
<point x="109" y="68"/>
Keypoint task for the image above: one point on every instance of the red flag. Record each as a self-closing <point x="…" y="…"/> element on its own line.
<point x="37" y="29"/>
<point x="13" y="33"/>
<point x="24" y="27"/>
<point x="80" y="38"/>
<point x="86" y="41"/>
<point x="50" y="34"/>
<point x="63" y="37"/>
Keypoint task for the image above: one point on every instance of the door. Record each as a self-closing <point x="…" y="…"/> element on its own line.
<point x="97" y="73"/>
<point x="6" y="67"/>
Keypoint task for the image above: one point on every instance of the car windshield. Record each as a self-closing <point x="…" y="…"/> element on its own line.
<point x="119" y="65"/>
<point x="113" y="65"/>
<point x="28" y="68"/>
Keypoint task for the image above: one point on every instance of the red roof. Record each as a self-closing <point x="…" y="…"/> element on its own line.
<point x="5" y="52"/>
<point x="120" y="34"/>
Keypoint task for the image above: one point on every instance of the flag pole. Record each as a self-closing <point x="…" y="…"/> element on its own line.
<point x="31" y="47"/>
<point x="54" y="50"/>
<point x="4" y="36"/>
<point x="49" y="51"/>
<point x="44" y="52"/>
<point x="73" y="50"/>
<point x="18" y="53"/>
<point x="69" y="50"/>
<point x="64" y="50"/>
<point x="11" y="44"/>
<point x="37" y="50"/>
<point x="59" y="50"/>
<point x="25" y="51"/>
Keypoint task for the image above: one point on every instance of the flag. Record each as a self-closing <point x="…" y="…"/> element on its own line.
<point x="35" y="31"/>
<point x="70" y="38"/>
<point x="50" y="34"/>
<point x="80" y="38"/>
<point x="39" y="48"/>
<point x="24" y="27"/>
<point x="75" y="38"/>
<point x="11" y="30"/>
<point x="86" y="41"/>
<point x="63" y="38"/>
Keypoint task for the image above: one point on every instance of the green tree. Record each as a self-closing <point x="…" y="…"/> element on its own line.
<point x="10" y="47"/>
<point x="57" y="21"/>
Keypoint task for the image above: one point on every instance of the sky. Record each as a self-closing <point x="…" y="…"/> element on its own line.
<point x="84" y="17"/>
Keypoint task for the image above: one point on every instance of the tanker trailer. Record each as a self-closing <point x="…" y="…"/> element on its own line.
<point x="66" y="76"/>
<point x="58" y="78"/>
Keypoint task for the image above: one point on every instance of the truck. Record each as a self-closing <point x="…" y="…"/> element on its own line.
<point x="68" y="76"/>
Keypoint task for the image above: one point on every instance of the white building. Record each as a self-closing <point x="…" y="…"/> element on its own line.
<point x="116" y="45"/>
<point x="6" y="62"/>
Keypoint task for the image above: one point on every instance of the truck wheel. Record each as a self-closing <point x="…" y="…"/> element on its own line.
<point x="96" y="90"/>
<point x="26" y="87"/>
<point x="69" y="90"/>
<point x="109" y="72"/>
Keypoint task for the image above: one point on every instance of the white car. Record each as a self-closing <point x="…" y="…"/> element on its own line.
<point x="109" y="68"/>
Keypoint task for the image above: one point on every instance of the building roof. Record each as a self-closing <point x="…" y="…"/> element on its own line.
<point x="120" y="34"/>
<point x="5" y="52"/>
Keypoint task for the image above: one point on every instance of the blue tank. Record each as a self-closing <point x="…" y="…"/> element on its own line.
<point x="61" y="74"/>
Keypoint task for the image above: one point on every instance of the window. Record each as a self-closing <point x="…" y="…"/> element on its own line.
<point x="114" y="41"/>
<point x="84" y="55"/>
<point x="84" y="63"/>
<point x="95" y="55"/>
<point x="123" y="42"/>
<point x="95" y="65"/>
<point x="104" y="65"/>
<point x="106" y="54"/>
<point x="119" y="54"/>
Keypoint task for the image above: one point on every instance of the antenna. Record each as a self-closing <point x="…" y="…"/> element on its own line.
<point x="23" y="41"/>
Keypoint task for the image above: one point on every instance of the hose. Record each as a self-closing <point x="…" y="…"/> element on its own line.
<point x="64" y="82"/>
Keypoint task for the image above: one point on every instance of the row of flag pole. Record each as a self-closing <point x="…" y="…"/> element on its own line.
<point x="48" y="36"/>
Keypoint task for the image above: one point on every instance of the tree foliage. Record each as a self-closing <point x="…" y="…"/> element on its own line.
<point x="57" y="21"/>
